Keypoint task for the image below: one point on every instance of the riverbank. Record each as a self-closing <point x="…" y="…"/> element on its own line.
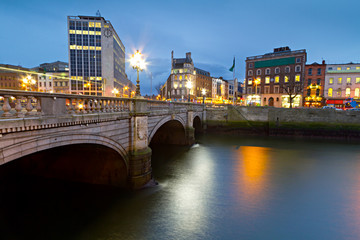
<point x="299" y="123"/>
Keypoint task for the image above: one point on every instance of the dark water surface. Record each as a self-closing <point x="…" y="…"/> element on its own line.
<point x="221" y="188"/>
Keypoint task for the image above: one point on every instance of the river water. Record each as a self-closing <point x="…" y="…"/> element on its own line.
<point x="220" y="188"/>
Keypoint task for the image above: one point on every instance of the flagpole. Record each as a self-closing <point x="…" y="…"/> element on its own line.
<point x="234" y="83"/>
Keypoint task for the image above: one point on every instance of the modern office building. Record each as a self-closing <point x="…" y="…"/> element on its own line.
<point x="96" y="56"/>
<point x="272" y="78"/>
<point x="314" y="84"/>
<point x="342" y="81"/>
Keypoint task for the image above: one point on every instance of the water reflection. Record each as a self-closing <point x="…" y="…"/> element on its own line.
<point x="251" y="175"/>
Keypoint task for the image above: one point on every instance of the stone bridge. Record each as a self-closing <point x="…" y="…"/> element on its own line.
<point x="117" y="131"/>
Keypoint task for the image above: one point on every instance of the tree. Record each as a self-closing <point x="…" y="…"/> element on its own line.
<point x="292" y="89"/>
<point x="158" y="88"/>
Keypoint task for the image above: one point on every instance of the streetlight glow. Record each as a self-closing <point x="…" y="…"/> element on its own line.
<point x="138" y="63"/>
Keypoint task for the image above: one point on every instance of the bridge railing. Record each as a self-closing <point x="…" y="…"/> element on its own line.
<point x="20" y="104"/>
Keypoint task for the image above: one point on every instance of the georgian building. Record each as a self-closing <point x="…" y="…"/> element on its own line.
<point x="314" y="84"/>
<point x="186" y="82"/>
<point x="11" y="77"/>
<point x="273" y="77"/>
<point x="342" y="81"/>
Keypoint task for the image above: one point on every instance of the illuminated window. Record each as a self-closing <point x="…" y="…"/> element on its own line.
<point x="330" y="92"/>
<point x="339" y="80"/>
<point x="277" y="78"/>
<point x="347" y="92"/>
<point x="186" y="76"/>
<point x="250" y="81"/>
<point x="357" y="68"/>
<point x="72" y="31"/>
<point x="180" y="85"/>
<point x="267" y="80"/>
<point x="348" y="68"/>
<point x="356" y="92"/>
<point x="339" y="68"/>
<point x="98" y="25"/>
<point x="91" y="24"/>
<point x="98" y="33"/>
<point x="348" y="80"/>
<point x="297" y="78"/>
<point x="286" y="79"/>
<point x="175" y="77"/>
<point x="86" y="32"/>
<point x="180" y="77"/>
<point x="357" y="80"/>
<point x="331" y="80"/>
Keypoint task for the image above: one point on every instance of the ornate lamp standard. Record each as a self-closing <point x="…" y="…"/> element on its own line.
<point x="115" y="92"/>
<point x="27" y="82"/>
<point x="137" y="63"/>
<point x="203" y="92"/>
<point x="189" y="86"/>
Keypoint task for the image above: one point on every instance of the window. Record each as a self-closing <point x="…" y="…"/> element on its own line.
<point x="298" y="68"/>
<point x="347" y="92"/>
<point x="40" y="84"/>
<point x="175" y="77"/>
<point x="338" y="92"/>
<point x="339" y="68"/>
<point x="287" y="69"/>
<point x="267" y="71"/>
<point x="317" y="92"/>
<point x="330" y="92"/>
<point x="297" y="78"/>
<point x="258" y="72"/>
<point x="267" y="80"/>
<point x="286" y="79"/>
<point x="309" y="82"/>
<point x="251" y="65"/>
<point x="277" y="70"/>
<point x="319" y="71"/>
<point x="310" y="71"/>
<point x="356" y="92"/>
<point x="357" y="80"/>
<point x="339" y="80"/>
<point x="249" y="81"/>
<point x="264" y="100"/>
<point x="308" y="92"/>
<point x="180" y="77"/>
<point x="348" y="80"/>
<point x="258" y="90"/>
<point x="249" y="90"/>
<point x="348" y="68"/>
<point x="331" y="80"/>
<point x="276" y="89"/>
<point x="267" y="89"/>
<point x="250" y="72"/>
<point x="318" y="81"/>
<point x="298" y="60"/>
<point x="277" y="78"/>
<point x="330" y="68"/>
<point x="357" y="68"/>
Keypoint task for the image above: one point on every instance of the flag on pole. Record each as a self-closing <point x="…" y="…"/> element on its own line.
<point x="233" y="66"/>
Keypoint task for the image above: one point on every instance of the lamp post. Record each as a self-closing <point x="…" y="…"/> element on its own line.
<point x="27" y="82"/>
<point x="137" y="63"/>
<point x="189" y="86"/>
<point x="203" y="92"/>
<point x="115" y="92"/>
<point x="124" y="89"/>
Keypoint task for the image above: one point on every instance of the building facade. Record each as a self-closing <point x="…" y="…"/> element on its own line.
<point x="96" y="56"/>
<point x="57" y="66"/>
<point x="203" y="84"/>
<point x="342" y="81"/>
<point x="314" y="84"/>
<point x="275" y="79"/>
<point x="17" y="78"/>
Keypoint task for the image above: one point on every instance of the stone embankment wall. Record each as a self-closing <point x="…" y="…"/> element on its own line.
<point x="328" y="123"/>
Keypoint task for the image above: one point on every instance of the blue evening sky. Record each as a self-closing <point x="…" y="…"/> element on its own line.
<point x="34" y="32"/>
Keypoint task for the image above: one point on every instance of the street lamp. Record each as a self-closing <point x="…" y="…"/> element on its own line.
<point x="203" y="92"/>
<point x="124" y="89"/>
<point x="115" y="92"/>
<point x="137" y="63"/>
<point x="27" y="82"/>
<point x="189" y="86"/>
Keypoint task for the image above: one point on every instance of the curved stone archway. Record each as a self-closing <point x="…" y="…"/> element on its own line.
<point x="164" y="121"/>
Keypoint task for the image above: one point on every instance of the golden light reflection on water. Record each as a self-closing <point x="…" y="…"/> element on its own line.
<point x="251" y="175"/>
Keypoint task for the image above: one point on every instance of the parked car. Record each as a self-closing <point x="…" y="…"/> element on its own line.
<point x="353" y="109"/>
<point x="328" y="107"/>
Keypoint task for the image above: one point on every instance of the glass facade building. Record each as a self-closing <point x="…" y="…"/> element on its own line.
<point x="96" y="56"/>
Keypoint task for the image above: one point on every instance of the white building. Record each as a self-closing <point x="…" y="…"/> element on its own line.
<point x="342" y="81"/>
<point x="45" y="83"/>
<point x="96" y="56"/>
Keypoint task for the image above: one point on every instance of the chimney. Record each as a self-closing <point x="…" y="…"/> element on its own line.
<point x="172" y="59"/>
<point x="323" y="62"/>
<point x="188" y="55"/>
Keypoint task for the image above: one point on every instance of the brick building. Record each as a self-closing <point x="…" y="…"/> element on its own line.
<point x="273" y="78"/>
<point x="314" y="84"/>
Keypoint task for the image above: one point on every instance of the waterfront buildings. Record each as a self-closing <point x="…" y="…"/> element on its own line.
<point x="57" y="66"/>
<point x="314" y="84"/>
<point x="17" y="78"/>
<point x="96" y="56"/>
<point x="342" y="81"/>
<point x="275" y="79"/>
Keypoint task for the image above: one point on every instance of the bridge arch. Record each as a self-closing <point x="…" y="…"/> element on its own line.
<point x="24" y="148"/>
<point x="164" y="121"/>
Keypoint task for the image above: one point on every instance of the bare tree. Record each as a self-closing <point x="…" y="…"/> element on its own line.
<point x="292" y="89"/>
<point x="158" y="88"/>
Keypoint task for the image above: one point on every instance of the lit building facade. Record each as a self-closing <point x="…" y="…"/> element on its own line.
<point x="273" y="77"/>
<point x="342" y="81"/>
<point x="96" y="57"/>
<point x="11" y="77"/>
<point x="314" y="84"/>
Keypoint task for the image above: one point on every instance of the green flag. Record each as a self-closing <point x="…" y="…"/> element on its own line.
<point x="233" y="66"/>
